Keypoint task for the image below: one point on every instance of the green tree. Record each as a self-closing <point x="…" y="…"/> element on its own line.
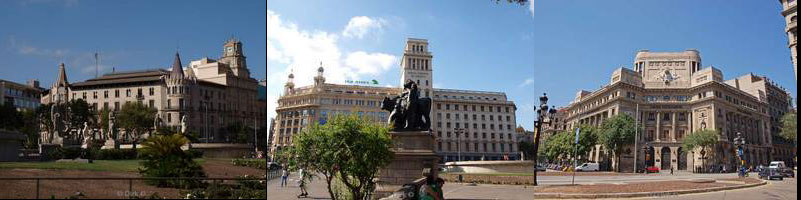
<point x="30" y="127"/>
<point x="79" y="113"/>
<point x="102" y="118"/>
<point x="136" y="119"/>
<point x="162" y="157"/>
<point x="563" y="145"/>
<point x="701" y="139"/>
<point x="789" y="126"/>
<point x="10" y="119"/>
<point x="527" y="148"/>
<point x="348" y="147"/>
<point x="615" y="133"/>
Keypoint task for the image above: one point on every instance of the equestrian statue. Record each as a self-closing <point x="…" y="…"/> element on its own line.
<point x="409" y="112"/>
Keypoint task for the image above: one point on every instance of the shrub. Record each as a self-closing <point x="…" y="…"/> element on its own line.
<point x="244" y="189"/>
<point x="72" y="152"/>
<point x="194" y="153"/>
<point x="54" y="153"/>
<point x="163" y="157"/>
<point x="115" y="154"/>
<point x="255" y="163"/>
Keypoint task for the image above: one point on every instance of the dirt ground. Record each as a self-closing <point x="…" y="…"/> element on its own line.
<point x="110" y="189"/>
<point x="629" y="187"/>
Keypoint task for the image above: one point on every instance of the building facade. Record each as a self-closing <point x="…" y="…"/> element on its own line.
<point x="789" y="12"/>
<point x="21" y="96"/>
<point x="210" y="94"/>
<point x="671" y="96"/>
<point x="474" y="124"/>
<point x="779" y="102"/>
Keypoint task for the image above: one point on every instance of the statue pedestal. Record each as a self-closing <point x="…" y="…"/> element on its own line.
<point x="111" y="144"/>
<point x="414" y="151"/>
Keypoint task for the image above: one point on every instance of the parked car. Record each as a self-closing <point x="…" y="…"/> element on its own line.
<point x="540" y="168"/>
<point x="652" y="169"/>
<point x="588" y="167"/>
<point x="273" y="166"/>
<point x="770" y="174"/>
<point x="782" y="168"/>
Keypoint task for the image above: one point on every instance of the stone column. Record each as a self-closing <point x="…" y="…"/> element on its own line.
<point x="674" y="158"/>
<point x="689" y="122"/>
<point x="658" y="133"/>
<point x="673" y="128"/>
<point x="657" y="156"/>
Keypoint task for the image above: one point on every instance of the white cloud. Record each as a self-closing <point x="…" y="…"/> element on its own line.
<point x="526" y="82"/>
<point x="370" y="63"/>
<point x="299" y="51"/>
<point x="360" y="25"/>
<point x="531" y="8"/>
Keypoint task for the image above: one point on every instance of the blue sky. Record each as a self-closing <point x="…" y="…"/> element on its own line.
<point x="559" y="48"/>
<point x="131" y="35"/>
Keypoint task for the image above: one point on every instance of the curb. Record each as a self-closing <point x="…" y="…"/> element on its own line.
<point x="642" y="194"/>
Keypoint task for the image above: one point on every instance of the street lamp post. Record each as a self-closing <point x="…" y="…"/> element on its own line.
<point x="543" y="117"/>
<point x="739" y="142"/>
<point x="458" y="132"/>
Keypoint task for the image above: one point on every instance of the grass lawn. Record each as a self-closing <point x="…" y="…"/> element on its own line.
<point x="98" y="165"/>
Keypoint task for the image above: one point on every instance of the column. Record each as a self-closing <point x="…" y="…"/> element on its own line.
<point x="658" y="126"/>
<point x="657" y="157"/>
<point x="674" y="158"/>
<point x="673" y="128"/>
<point x="689" y="123"/>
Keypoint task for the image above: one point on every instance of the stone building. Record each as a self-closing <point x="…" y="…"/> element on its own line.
<point x="671" y="95"/>
<point x="789" y="12"/>
<point x="487" y="118"/>
<point x="211" y="94"/>
<point x="778" y="102"/>
<point x="21" y="96"/>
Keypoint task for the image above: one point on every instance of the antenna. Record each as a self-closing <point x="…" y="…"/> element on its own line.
<point x="97" y="54"/>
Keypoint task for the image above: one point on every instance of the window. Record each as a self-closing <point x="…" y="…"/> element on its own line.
<point x="651" y="116"/>
<point x="682" y="117"/>
<point x="665" y="116"/>
<point x="105" y="94"/>
<point x="439" y="106"/>
<point x="152" y="91"/>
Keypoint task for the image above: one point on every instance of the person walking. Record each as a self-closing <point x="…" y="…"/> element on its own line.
<point x="432" y="189"/>
<point x="671" y="170"/>
<point x="302" y="185"/>
<point x="284" y="176"/>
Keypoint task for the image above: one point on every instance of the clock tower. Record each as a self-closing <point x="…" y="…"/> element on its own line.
<point x="232" y="55"/>
<point x="416" y="66"/>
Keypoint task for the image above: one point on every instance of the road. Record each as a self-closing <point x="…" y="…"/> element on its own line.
<point x="560" y="180"/>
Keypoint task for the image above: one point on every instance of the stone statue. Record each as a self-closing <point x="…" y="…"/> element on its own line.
<point x="111" y="133"/>
<point x="86" y="137"/>
<point x="409" y="112"/>
<point x="183" y="124"/>
<point x="157" y="122"/>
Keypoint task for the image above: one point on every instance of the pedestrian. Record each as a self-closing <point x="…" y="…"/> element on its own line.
<point x="302" y="185"/>
<point x="431" y="190"/>
<point x="671" y="170"/>
<point x="284" y="176"/>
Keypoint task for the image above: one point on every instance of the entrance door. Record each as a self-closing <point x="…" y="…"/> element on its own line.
<point x="682" y="161"/>
<point x="665" y="158"/>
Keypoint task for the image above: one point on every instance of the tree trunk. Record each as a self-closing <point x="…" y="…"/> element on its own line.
<point x="328" y="180"/>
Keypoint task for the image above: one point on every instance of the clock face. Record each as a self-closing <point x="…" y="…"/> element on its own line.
<point x="230" y="49"/>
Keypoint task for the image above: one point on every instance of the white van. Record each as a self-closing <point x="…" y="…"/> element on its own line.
<point x="588" y="167"/>
<point x="777" y="165"/>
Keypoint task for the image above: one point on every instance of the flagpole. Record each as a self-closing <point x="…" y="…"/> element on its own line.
<point x="636" y="136"/>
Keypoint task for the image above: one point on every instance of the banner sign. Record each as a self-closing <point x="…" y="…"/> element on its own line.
<point x="370" y="82"/>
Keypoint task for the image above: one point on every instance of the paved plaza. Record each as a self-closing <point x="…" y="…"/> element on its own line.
<point x="786" y="189"/>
